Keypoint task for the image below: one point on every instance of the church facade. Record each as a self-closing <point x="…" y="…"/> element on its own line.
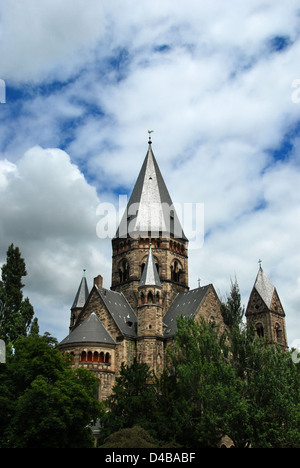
<point x="136" y="317"/>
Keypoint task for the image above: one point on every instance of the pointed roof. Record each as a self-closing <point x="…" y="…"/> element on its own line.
<point x="120" y="311"/>
<point x="186" y="304"/>
<point x="150" y="208"/>
<point x="91" y="330"/>
<point x="82" y="294"/>
<point x="264" y="287"/>
<point x="150" y="275"/>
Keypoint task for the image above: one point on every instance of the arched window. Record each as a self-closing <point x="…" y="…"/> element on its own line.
<point x="176" y="271"/>
<point x="101" y="357"/>
<point x="124" y="270"/>
<point x="95" y="356"/>
<point x="90" y="356"/>
<point x="150" y="297"/>
<point x="278" y="333"/>
<point x="260" y="330"/>
<point x="83" y="356"/>
<point x="107" y="358"/>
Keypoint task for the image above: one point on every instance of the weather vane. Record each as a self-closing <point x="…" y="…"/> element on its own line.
<point x="150" y="131"/>
<point x="259" y="262"/>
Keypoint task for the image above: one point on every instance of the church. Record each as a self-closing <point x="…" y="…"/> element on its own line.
<point x="137" y="317"/>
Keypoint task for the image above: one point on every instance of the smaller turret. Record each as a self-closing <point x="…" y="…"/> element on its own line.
<point x="150" y="316"/>
<point x="79" y="301"/>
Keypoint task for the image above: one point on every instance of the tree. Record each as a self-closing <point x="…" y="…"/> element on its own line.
<point x="232" y="311"/>
<point x="235" y="385"/>
<point x="43" y="402"/>
<point x="206" y="388"/>
<point x="16" y="313"/>
<point x="272" y="391"/>
<point x="269" y="391"/>
<point x="132" y="401"/>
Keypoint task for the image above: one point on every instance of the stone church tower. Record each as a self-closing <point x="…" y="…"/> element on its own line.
<point x="137" y="317"/>
<point x="150" y="218"/>
<point x="265" y="311"/>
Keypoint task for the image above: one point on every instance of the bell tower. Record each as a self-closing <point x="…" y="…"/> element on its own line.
<point x="150" y="218"/>
<point x="265" y="311"/>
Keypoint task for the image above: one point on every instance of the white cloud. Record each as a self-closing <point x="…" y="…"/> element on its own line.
<point x="49" y="37"/>
<point x="49" y="211"/>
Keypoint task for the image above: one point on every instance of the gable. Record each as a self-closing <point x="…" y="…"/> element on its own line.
<point x="120" y="311"/>
<point x="113" y="311"/>
<point x="210" y="308"/>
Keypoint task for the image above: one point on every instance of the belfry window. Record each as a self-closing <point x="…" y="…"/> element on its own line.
<point x="150" y="297"/>
<point x="260" y="330"/>
<point x="124" y="271"/>
<point x="176" y="271"/>
<point x="278" y="333"/>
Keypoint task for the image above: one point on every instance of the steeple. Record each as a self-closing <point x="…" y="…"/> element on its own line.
<point x="79" y="301"/>
<point x="264" y="287"/>
<point x="150" y="210"/>
<point x="150" y="217"/>
<point x="150" y="275"/>
<point x="82" y="293"/>
<point x="265" y="310"/>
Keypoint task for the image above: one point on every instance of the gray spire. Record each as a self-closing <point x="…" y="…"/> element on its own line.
<point x="150" y="275"/>
<point x="82" y="294"/>
<point x="264" y="287"/>
<point x="150" y="208"/>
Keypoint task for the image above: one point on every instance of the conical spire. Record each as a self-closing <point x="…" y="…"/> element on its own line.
<point x="82" y="294"/>
<point x="90" y="330"/>
<point x="150" y="275"/>
<point x="150" y="208"/>
<point x="264" y="287"/>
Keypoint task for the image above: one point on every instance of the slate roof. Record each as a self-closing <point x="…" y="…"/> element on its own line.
<point x="120" y="310"/>
<point x="150" y="275"/>
<point x="264" y="287"/>
<point x="150" y="207"/>
<point x="185" y="304"/>
<point x="91" y="330"/>
<point x="81" y="295"/>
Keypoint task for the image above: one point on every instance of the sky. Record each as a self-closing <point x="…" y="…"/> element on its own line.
<point x="218" y="82"/>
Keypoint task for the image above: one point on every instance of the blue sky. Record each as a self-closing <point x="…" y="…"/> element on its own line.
<point x="83" y="87"/>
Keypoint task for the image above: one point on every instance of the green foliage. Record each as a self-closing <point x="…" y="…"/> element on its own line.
<point x="133" y="399"/>
<point x="43" y="402"/>
<point x="214" y="384"/>
<point x="16" y="313"/>
<point x="206" y="386"/>
<point x="232" y="311"/>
